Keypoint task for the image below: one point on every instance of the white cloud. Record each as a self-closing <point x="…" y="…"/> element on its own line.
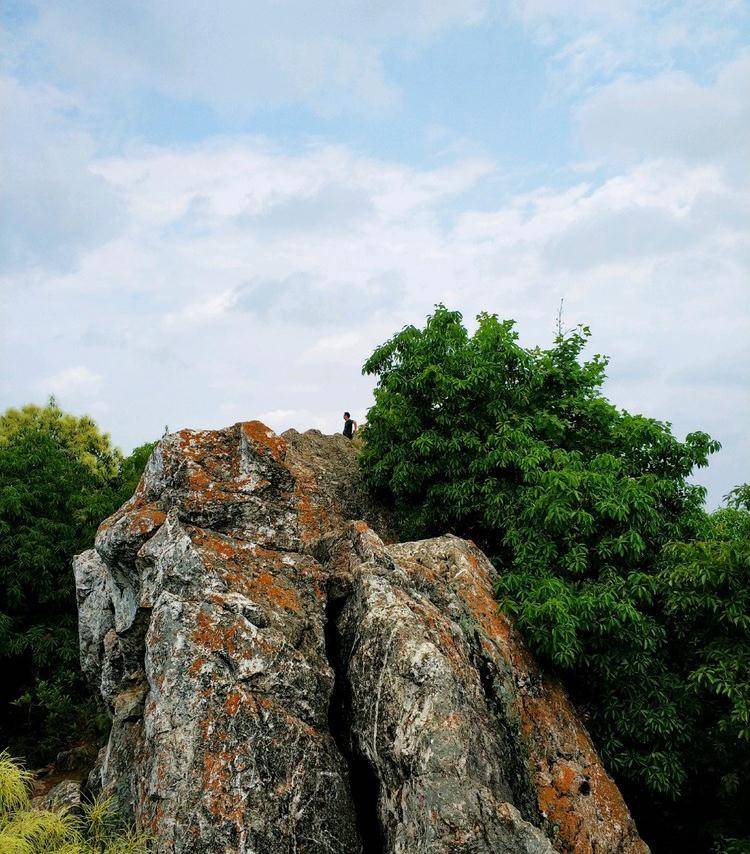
<point x="300" y="419"/>
<point x="594" y="40"/>
<point x="239" y="278"/>
<point x="72" y="382"/>
<point x="333" y="346"/>
<point x="53" y="205"/>
<point x="200" y="311"/>
<point x="610" y="14"/>
<point x="672" y="115"/>
<point x="237" y="55"/>
<point x="233" y="318"/>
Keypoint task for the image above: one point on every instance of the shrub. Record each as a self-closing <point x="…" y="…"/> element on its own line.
<point x="26" y="830"/>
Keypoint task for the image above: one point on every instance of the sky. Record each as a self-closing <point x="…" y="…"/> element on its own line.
<point x="213" y="212"/>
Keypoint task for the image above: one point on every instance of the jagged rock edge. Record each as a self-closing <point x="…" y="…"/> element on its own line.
<point x="131" y="714"/>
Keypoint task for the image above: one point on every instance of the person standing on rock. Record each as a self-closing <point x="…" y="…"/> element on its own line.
<point x="350" y="425"/>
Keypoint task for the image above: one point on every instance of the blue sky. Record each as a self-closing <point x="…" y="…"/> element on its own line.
<point x="213" y="212"/>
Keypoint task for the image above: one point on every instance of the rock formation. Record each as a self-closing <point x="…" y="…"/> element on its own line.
<point x="282" y="679"/>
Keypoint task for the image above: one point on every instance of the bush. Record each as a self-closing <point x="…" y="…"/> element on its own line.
<point x="25" y="830"/>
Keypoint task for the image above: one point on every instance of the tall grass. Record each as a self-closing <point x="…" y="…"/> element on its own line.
<point x="26" y="830"/>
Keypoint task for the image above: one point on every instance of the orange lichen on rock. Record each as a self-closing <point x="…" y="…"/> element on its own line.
<point x="245" y="568"/>
<point x="232" y="702"/>
<point x="220" y="637"/>
<point x="582" y="809"/>
<point x="557" y="803"/>
<point x="475" y="588"/>
<point x="207" y="463"/>
<point x="314" y="518"/>
<point x="201" y="447"/>
<point x="128" y="510"/>
<point x="263" y="437"/>
<point x="210" y="490"/>
<point x="146" y="519"/>
<point x="581" y="806"/>
<point x="220" y="800"/>
<point x="424" y="571"/>
<point x="293" y="723"/>
<point x="198" y="664"/>
<point x="275" y="589"/>
<point x="228" y="742"/>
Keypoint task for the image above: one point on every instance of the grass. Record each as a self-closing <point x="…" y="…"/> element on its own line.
<point x="27" y="830"/>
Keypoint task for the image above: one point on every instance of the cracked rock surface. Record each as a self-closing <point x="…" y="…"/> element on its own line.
<point x="282" y="677"/>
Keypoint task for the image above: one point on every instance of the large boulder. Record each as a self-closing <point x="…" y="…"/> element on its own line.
<point x="282" y="677"/>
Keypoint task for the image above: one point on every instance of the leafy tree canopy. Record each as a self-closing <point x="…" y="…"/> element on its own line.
<point x="704" y="585"/>
<point x="577" y="502"/>
<point x="79" y="435"/>
<point x="59" y="477"/>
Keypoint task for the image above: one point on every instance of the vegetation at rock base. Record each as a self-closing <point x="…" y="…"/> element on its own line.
<point x="26" y="830"/>
<point x="616" y="575"/>
<point x="59" y="477"/>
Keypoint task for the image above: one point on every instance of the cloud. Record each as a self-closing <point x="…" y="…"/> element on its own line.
<point x="250" y="276"/>
<point x="657" y="210"/>
<point x="610" y="14"/>
<point x="249" y="184"/>
<point x="672" y="115"/>
<point x="328" y="56"/>
<point x="732" y="371"/>
<point x="72" y="382"/>
<point x="334" y="347"/>
<point x="221" y="318"/>
<point x="591" y="42"/>
<point x="201" y="311"/>
<point x="54" y="206"/>
<point x="333" y="206"/>
<point x="299" y="419"/>
<point x="334" y="57"/>
<point x="299" y="299"/>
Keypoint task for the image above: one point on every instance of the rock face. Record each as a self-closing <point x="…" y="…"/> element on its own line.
<point x="281" y="679"/>
<point x="62" y="797"/>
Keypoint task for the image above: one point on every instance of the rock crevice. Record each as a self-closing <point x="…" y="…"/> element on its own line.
<point x="363" y="782"/>
<point x="282" y="677"/>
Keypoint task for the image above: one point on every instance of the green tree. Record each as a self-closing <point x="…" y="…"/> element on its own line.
<point x="574" y="500"/>
<point x="59" y="477"/>
<point x="705" y="587"/>
<point x="78" y="435"/>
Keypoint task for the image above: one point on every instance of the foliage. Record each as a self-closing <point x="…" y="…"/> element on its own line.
<point x="576" y="500"/>
<point x="26" y="830"/>
<point x="707" y="592"/>
<point x="131" y="470"/>
<point x="59" y="477"/>
<point x="80" y="436"/>
<point x="705" y="587"/>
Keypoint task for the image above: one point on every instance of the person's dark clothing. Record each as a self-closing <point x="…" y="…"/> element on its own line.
<point x="349" y="428"/>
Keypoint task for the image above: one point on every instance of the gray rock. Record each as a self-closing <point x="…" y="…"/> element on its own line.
<point x="94" y="614"/>
<point x="62" y="797"/>
<point x="454" y="719"/>
<point x="422" y="722"/>
<point x="282" y="680"/>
